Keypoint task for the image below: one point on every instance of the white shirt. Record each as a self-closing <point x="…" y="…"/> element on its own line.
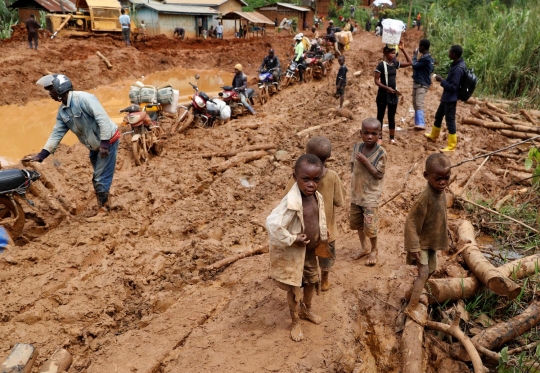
<point x="219" y="29"/>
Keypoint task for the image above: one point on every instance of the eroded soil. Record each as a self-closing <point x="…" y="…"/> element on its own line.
<point x="130" y="294"/>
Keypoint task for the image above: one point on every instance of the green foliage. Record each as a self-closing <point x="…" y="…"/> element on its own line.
<point x="501" y="43"/>
<point x="8" y="18"/>
<point x="533" y="162"/>
<point x="43" y="19"/>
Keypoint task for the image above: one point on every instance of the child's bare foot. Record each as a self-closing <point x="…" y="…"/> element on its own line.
<point x="296" y="331"/>
<point x="361" y="253"/>
<point x="372" y="258"/>
<point x="307" y="314"/>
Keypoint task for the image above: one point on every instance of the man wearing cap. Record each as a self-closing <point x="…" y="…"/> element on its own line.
<point x="271" y="62"/>
<point x="331" y="35"/>
<point x="239" y="83"/>
<point x="82" y="113"/>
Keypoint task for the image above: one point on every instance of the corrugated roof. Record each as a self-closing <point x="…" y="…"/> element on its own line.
<point x="86" y="4"/>
<point x="202" y="2"/>
<point x="50" y="5"/>
<point x="295" y="7"/>
<point x="252" y="17"/>
<point x="174" y="8"/>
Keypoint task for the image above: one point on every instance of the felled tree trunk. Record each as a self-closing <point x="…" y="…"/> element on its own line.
<point x="412" y="344"/>
<point x="482" y="267"/>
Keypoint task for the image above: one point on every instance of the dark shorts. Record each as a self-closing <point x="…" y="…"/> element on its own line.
<point x="340" y="91"/>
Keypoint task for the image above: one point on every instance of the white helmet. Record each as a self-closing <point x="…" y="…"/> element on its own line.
<point x="298" y="37"/>
<point x="45" y="81"/>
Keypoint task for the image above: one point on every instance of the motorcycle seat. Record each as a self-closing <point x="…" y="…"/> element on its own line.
<point x="227" y="88"/>
<point x="11" y="179"/>
<point x="249" y="92"/>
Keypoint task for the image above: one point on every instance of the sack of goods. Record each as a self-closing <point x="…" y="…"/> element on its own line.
<point x="344" y="37"/>
<point x="392" y="29"/>
<point x="165" y="95"/>
<point x="135" y="94"/>
<point x="172" y="107"/>
<point x="148" y="93"/>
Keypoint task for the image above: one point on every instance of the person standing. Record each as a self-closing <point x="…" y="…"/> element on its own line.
<point x="385" y="79"/>
<point x="352" y="9"/>
<point x="219" y="30"/>
<point x="447" y="107"/>
<point x="125" y="22"/>
<point x="341" y="81"/>
<point x="299" y="55"/>
<point x="418" y="20"/>
<point x="245" y="31"/>
<point x="32" y="27"/>
<point x="422" y="70"/>
<point x="368" y="25"/>
<point x="142" y="30"/>
<point x="179" y="32"/>
<point x="81" y="113"/>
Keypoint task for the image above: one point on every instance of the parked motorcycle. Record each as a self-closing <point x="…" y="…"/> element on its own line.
<point x="231" y="96"/>
<point x="316" y="60"/>
<point x="292" y="74"/>
<point x="267" y="85"/>
<point x="13" y="186"/>
<point x="203" y="111"/>
<point x="146" y="134"/>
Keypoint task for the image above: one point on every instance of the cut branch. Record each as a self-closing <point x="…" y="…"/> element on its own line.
<point x="231" y="259"/>
<point x="238" y="159"/>
<point x="403" y="187"/>
<point x="109" y="65"/>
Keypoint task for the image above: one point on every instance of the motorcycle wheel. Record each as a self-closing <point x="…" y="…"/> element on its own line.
<point x="285" y="82"/>
<point x="263" y="95"/>
<point x="139" y="152"/>
<point x="8" y="211"/>
<point x="308" y="75"/>
<point x="185" y="118"/>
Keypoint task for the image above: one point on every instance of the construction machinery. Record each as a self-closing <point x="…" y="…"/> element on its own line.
<point x="91" y="16"/>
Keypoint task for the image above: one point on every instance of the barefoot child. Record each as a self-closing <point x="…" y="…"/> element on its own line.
<point x="295" y="227"/>
<point x="341" y="81"/>
<point x="331" y="189"/>
<point x="368" y="163"/>
<point x="426" y="226"/>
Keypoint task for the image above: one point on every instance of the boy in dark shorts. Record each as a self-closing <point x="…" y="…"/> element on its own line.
<point x="341" y="81"/>
<point x="295" y="227"/>
<point x="368" y="164"/>
<point x="331" y="188"/>
<point x="426" y="227"/>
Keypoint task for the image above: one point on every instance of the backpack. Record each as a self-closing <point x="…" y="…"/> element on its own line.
<point x="467" y="84"/>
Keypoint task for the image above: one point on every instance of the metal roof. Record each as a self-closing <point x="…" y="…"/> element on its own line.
<point x="202" y="2"/>
<point x="252" y="17"/>
<point x="87" y="4"/>
<point x="50" y="5"/>
<point x="286" y="5"/>
<point x="174" y="8"/>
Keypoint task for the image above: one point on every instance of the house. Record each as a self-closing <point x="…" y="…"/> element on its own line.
<point x="285" y="10"/>
<point x="163" y="18"/>
<point x="27" y="7"/>
<point x="222" y="7"/>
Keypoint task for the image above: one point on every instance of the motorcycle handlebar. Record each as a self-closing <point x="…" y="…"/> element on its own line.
<point x="194" y="86"/>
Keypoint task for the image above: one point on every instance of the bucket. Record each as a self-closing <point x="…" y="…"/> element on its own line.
<point x="392" y="29"/>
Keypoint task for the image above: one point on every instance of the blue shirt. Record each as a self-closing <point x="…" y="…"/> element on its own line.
<point x="4" y="239"/>
<point x="422" y="69"/>
<point x="125" y="21"/>
<point x="451" y="84"/>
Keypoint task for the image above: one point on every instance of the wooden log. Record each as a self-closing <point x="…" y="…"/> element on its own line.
<point x="109" y="65"/>
<point x="310" y="129"/>
<point x="490" y="114"/>
<point x="456" y="332"/>
<point x="536" y="113"/>
<point x="518" y="135"/>
<point x="482" y="267"/>
<point x="510" y="194"/>
<point x="522" y="178"/>
<point x="474" y="101"/>
<point x="526" y="128"/>
<point x="451" y="289"/>
<point x="486" y="124"/>
<point x="231" y="259"/>
<point x="528" y="117"/>
<point x="496" y="108"/>
<point x="232" y="153"/>
<point x="20" y="360"/>
<point x="238" y="159"/>
<point x="477" y="114"/>
<point x="514" y="123"/>
<point x="59" y="362"/>
<point x="411" y="344"/>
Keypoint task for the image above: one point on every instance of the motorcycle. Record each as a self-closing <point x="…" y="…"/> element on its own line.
<point x="146" y="134"/>
<point x="267" y="85"/>
<point x="203" y="111"/>
<point x="330" y="46"/>
<point x="316" y="60"/>
<point x="231" y="96"/>
<point x="292" y="74"/>
<point x="13" y="186"/>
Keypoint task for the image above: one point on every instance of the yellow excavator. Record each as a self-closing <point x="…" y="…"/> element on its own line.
<point x="91" y="16"/>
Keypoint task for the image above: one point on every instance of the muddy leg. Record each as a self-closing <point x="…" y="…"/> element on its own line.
<point x="364" y="249"/>
<point x="305" y="306"/>
<point x="325" y="282"/>
<point x="373" y="256"/>
<point x="296" y="331"/>
<point x="417" y="289"/>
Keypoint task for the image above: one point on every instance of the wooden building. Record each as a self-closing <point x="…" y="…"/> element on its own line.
<point x="285" y="10"/>
<point x="27" y="7"/>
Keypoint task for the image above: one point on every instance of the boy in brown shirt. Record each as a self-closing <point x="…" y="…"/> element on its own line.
<point x="331" y="189"/>
<point x="368" y="164"/>
<point x="426" y="227"/>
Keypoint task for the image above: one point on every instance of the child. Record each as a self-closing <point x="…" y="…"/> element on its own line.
<point x="331" y="189"/>
<point x="447" y="107"/>
<point x="295" y="227"/>
<point x="422" y="70"/>
<point x="368" y="163"/>
<point x="426" y="226"/>
<point x="385" y="79"/>
<point x="341" y="81"/>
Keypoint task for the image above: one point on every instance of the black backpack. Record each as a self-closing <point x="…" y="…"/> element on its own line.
<point x="467" y="84"/>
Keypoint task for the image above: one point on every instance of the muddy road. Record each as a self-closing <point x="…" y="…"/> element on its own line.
<point x="130" y="294"/>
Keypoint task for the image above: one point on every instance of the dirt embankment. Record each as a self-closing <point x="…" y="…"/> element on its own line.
<point x="130" y="294"/>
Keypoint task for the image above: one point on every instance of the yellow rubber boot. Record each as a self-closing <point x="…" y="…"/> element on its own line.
<point x="434" y="135"/>
<point x="452" y="143"/>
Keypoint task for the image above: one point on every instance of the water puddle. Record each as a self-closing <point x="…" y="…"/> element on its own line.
<point x="27" y="128"/>
<point x="494" y="251"/>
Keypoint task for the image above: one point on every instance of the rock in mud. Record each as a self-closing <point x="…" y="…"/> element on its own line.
<point x="282" y="156"/>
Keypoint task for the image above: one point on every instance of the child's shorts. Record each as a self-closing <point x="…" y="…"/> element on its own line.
<point x="309" y="276"/>
<point x="364" y="218"/>
<point x="428" y="258"/>
<point x="340" y="91"/>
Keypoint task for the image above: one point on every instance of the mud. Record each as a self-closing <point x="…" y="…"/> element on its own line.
<point x="129" y="294"/>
